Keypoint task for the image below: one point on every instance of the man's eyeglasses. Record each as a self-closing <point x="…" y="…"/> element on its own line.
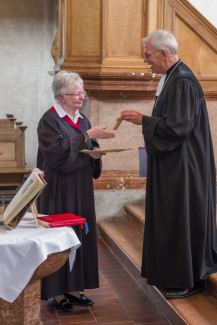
<point x="83" y="93"/>
<point x="148" y="55"/>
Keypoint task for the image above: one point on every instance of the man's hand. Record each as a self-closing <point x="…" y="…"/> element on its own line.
<point x="132" y="116"/>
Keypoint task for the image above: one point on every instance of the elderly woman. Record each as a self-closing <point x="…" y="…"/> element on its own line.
<point x="62" y="133"/>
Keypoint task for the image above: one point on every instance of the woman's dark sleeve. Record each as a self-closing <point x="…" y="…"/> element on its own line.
<point x="96" y="164"/>
<point x="59" y="152"/>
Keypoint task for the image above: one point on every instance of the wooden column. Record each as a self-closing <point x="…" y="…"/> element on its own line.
<point x="102" y="35"/>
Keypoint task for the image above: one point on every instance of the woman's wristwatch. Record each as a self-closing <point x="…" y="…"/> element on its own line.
<point x="86" y="135"/>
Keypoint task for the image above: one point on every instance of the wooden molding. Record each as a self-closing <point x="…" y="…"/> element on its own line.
<point x="119" y="180"/>
<point x="211" y="95"/>
<point x="120" y="85"/>
<point x="131" y="86"/>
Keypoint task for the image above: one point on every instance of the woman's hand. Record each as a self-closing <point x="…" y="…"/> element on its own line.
<point x="96" y="155"/>
<point x="99" y="133"/>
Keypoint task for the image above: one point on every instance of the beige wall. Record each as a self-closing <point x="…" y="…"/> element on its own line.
<point x="212" y="111"/>
<point x="128" y="135"/>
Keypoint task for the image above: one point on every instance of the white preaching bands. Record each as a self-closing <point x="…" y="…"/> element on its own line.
<point x="162" y="84"/>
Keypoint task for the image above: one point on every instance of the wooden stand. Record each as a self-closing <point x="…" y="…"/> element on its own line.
<point x="33" y="210"/>
<point x="34" y="213"/>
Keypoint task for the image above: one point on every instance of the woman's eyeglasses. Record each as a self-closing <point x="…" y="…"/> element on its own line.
<point x="82" y="93"/>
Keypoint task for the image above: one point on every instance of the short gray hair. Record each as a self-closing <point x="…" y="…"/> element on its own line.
<point x="162" y="40"/>
<point x="62" y="80"/>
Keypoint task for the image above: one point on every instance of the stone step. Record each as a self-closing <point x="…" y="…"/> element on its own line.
<point x="212" y="284"/>
<point x="125" y="239"/>
<point x="136" y="215"/>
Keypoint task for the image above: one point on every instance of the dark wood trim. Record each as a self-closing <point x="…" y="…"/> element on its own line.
<point x="120" y="94"/>
<point x="119" y="180"/>
<point x="124" y="81"/>
<point x="135" y="95"/>
<point x="210" y="95"/>
<point x="130" y="86"/>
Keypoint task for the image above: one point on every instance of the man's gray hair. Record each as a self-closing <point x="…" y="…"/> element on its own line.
<point x="162" y="40"/>
<point x="63" y="80"/>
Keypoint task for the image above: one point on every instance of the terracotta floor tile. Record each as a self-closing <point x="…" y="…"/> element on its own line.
<point x="81" y="323"/>
<point x="105" y="308"/>
<point x="101" y="291"/>
<point x="106" y="301"/>
<point x="143" y="320"/>
<point x="75" y="318"/>
<point x="125" y="300"/>
<point x="118" y="301"/>
<point x="49" y="317"/>
<point x="113" y="320"/>
<point x="115" y="311"/>
<point x="51" y="322"/>
<point x="143" y="307"/>
<point x="143" y="313"/>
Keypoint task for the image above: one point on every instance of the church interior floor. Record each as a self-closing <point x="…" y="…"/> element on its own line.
<point x="118" y="301"/>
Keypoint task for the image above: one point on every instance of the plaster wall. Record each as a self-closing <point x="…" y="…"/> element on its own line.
<point x="208" y="8"/>
<point x="128" y="135"/>
<point x="104" y="113"/>
<point x="110" y="203"/>
<point x="27" y="32"/>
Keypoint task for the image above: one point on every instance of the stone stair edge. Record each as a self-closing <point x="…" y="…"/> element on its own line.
<point x="211" y="283"/>
<point x="124" y="234"/>
<point x="134" y="269"/>
<point x="137" y="210"/>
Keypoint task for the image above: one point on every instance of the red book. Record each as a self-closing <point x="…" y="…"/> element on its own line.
<point x="61" y="220"/>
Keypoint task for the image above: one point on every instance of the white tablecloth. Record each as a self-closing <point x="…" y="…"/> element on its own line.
<point x="23" y="249"/>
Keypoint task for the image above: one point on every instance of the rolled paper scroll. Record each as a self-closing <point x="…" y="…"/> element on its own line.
<point x="118" y="122"/>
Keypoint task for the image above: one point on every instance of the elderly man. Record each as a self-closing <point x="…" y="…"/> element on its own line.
<point x="180" y="248"/>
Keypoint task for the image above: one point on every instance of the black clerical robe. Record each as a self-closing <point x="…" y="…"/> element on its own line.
<point x="180" y="226"/>
<point x="69" y="189"/>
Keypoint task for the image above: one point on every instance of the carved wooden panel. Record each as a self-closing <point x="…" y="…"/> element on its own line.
<point x="105" y="35"/>
<point x="12" y="147"/>
<point x="80" y="34"/>
<point x="197" y="40"/>
<point x="7" y="153"/>
<point x="84" y="29"/>
<point x="102" y="38"/>
<point x="123" y="29"/>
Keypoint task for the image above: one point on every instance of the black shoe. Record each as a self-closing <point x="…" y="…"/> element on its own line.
<point x="181" y="293"/>
<point x="83" y="300"/>
<point x="64" y="304"/>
